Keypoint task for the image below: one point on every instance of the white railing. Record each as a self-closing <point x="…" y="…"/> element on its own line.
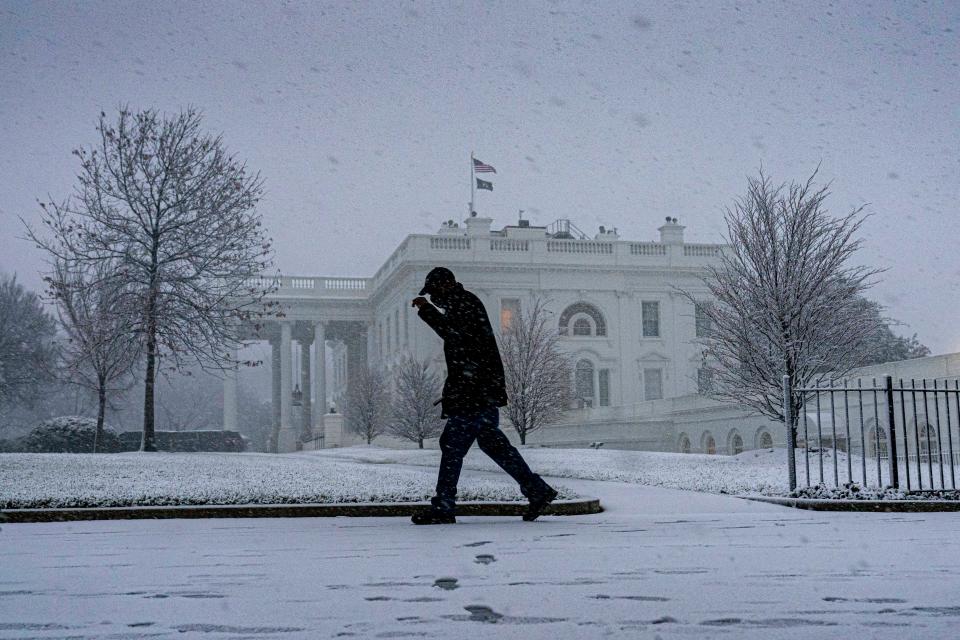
<point x="262" y="283"/>
<point x="303" y="283"/>
<point x="344" y="284"/>
<point x="648" y="249"/>
<point x="500" y="244"/>
<point x="455" y="244"/>
<point x="579" y="246"/>
<point x="701" y="250"/>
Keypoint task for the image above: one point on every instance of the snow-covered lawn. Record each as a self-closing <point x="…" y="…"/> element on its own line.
<point x="369" y="474"/>
<point x="762" y="471"/>
<point x="30" y="480"/>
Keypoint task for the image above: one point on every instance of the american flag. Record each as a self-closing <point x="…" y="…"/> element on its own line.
<point x="480" y="167"/>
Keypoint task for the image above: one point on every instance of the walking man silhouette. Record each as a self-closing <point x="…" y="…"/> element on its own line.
<point x="473" y="393"/>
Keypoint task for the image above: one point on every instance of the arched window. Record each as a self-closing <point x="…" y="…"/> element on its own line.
<point x="765" y="440"/>
<point x="592" y="314"/>
<point x="872" y="435"/>
<point x="735" y="445"/>
<point x="683" y="444"/>
<point x="708" y="444"/>
<point x="583" y="382"/>
<point x="582" y="327"/>
<point x="928" y="442"/>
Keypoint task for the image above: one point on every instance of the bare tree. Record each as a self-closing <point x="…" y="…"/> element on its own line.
<point x="27" y="349"/>
<point x="416" y="414"/>
<point x="368" y="403"/>
<point x="785" y="300"/>
<point x="175" y="212"/>
<point x="539" y="376"/>
<point x="101" y="347"/>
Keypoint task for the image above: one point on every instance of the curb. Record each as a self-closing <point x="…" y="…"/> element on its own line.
<point x="882" y="506"/>
<point x="353" y="510"/>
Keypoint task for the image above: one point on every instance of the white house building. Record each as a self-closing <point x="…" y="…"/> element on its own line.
<point x="617" y="303"/>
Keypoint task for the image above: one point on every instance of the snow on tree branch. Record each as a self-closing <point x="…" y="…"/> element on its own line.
<point x="539" y="376"/>
<point x="786" y="296"/>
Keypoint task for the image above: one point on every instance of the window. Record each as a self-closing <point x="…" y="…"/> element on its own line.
<point x="650" y="312"/>
<point x="509" y="311"/>
<point x="406" y="325"/>
<point x="736" y="443"/>
<point x="877" y="443"/>
<point x="702" y="321"/>
<point x="683" y="444"/>
<point x="581" y="327"/>
<point x="396" y="329"/>
<point x="604" y="384"/>
<point x="652" y="384"/>
<point x="704" y="381"/>
<point x="709" y="444"/>
<point x="582" y="308"/>
<point x="583" y="379"/>
<point x="928" y="443"/>
<point x="388" y="334"/>
<point x="765" y="441"/>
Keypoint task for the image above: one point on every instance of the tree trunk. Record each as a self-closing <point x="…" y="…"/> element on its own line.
<point x="149" y="412"/>
<point x="420" y="442"/>
<point x="523" y="435"/>
<point x="101" y="409"/>
<point x="148" y="442"/>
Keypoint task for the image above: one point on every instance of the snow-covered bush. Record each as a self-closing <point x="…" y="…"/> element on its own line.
<point x="69" y="434"/>
<point x="855" y="491"/>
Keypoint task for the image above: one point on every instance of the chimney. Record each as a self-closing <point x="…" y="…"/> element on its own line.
<point x="606" y="234"/>
<point x="671" y="232"/>
<point x="478" y="227"/>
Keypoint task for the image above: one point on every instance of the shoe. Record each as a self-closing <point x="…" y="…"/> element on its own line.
<point x="539" y="503"/>
<point x="433" y="516"/>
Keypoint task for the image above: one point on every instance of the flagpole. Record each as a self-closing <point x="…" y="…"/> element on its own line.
<point x="473" y="184"/>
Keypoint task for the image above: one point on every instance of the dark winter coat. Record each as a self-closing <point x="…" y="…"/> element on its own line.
<point x="474" y="369"/>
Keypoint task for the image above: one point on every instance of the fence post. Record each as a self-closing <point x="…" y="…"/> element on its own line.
<point x="791" y="436"/>
<point x="891" y="434"/>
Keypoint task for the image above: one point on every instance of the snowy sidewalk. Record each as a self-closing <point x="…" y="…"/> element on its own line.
<point x="658" y="562"/>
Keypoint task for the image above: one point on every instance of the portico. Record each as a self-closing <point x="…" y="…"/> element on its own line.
<point x="312" y="312"/>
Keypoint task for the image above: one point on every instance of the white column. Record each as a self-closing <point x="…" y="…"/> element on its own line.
<point x="306" y="426"/>
<point x="320" y="348"/>
<point x="230" y="394"/>
<point x="286" y="377"/>
<point x="275" y="394"/>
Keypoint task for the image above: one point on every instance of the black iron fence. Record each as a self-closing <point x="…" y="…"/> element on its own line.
<point x="903" y="434"/>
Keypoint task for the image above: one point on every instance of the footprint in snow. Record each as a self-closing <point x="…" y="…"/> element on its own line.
<point x="447" y="584"/>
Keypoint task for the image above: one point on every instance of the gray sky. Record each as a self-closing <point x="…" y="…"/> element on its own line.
<point x="361" y="117"/>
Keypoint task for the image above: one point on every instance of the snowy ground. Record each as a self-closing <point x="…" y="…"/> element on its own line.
<point x="750" y="472"/>
<point x="762" y="471"/>
<point x="658" y="563"/>
<point x="344" y="475"/>
<point x="33" y="480"/>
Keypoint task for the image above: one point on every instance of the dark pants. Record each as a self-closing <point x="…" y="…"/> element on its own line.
<point x="457" y="438"/>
